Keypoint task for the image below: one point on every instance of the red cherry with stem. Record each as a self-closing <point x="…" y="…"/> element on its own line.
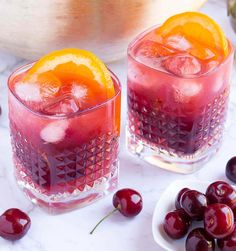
<point x="14" y="224"/>
<point x="228" y="243"/>
<point x="176" y="224"/>
<point x="178" y="198"/>
<point x="219" y="220"/>
<point x="127" y="201"/>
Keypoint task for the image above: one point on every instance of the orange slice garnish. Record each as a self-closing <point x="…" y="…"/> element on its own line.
<point x="198" y="27"/>
<point x="69" y="67"/>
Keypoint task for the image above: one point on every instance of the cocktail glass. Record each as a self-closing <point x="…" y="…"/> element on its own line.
<point x="175" y="119"/>
<point x="65" y="161"/>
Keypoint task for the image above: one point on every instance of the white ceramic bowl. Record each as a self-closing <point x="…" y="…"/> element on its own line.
<point x="166" y="204"/>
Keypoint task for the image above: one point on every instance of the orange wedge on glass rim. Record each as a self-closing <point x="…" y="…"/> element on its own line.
<point x="75" y="69"/>
<point x="197" y="28"/>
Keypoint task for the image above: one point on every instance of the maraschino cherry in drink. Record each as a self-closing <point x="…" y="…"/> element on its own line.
<point x="64" y="113"/>
<point x="178" y="89"/>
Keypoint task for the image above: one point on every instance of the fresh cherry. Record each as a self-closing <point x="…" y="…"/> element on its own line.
<point x="222" y="192"/>
<point x="199" y="240"/>
<point x="219" y="220"/>
<point x="14" y="224"/>
<point x="194" y="203"/>
<point x="176" y="224"/>
<point x="127" y="201"/>
<point x="177" y="200"/>
<point x="228" y="243"/>
<point x="231" y="169"/>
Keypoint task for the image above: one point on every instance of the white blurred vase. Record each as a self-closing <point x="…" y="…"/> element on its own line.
<point x="32" y="28"/>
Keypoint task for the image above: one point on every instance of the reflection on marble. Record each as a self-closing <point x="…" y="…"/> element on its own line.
<point x="70" y="231"/>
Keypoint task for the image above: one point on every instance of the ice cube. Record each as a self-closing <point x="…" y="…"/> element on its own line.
<point x="79" y="91"/>
<point x="54" y="132"/>
<point x="202" y="52"/>
<point x="182" y="65"/>
<point x="178" y="42"/>
<point x="63" y="105"/>
<point x="185" y="90"/>
<point x="151" y="49"/>
<point x="155" y="63"/>
<point x="28" y="91"/>
<point x="49" y="84"/>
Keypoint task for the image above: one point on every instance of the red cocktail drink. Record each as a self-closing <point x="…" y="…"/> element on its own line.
<point x="64" y="156"/>
<point x="177" y="100"/>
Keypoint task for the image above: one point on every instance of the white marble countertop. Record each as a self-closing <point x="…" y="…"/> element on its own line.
<point x="70" y="231"/>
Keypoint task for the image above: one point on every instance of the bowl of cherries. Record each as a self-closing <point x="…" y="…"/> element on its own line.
<point x="196" y="216"/>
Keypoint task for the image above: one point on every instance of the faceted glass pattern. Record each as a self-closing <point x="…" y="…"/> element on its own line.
<point x="170" y="128"/>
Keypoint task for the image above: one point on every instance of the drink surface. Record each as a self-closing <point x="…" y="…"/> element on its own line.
<point x="175" y="56"/>
<point x="186" y="45"/>
<point x="64" y="82"/>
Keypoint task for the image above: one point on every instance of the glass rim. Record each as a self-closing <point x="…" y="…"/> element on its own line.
<point x="22" y="68"/>
<point x="142" y="34"/>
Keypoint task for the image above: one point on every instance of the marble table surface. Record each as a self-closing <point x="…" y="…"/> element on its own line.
<point x="70" y="231"/>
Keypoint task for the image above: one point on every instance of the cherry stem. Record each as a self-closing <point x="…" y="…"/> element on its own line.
<point x="105" y="217"/>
